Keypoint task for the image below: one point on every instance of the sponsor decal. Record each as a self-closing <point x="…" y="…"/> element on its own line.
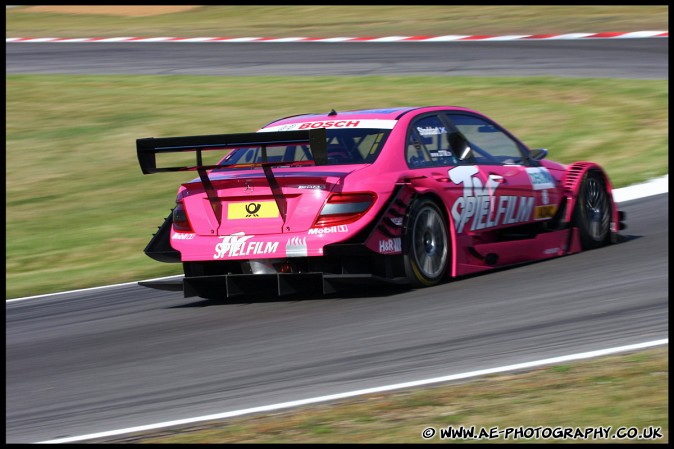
<point x="540" y="178"/>
<point x="398" y="221"/>
<point x="551" y="251"/>
<point x="480" y="207"/>
<point x="328" y="230"/>
<point x="182" y="236"/>
<point x="296" y="247"/>
<point x="240" y="244"/>
<point x="255" y="209"/>
<point x="545" y="212"/>
<point x="289" y="127"/>
<point x="544" y="197"/>
<point x="376" y="124"/>
<point x="441" y="153"/>
<point x="312" y="186"/>
<point x="390" y="246"/>
<point x="432" y="130"/>
<point x="331" y="124"/>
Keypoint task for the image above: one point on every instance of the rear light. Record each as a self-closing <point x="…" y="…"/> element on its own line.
<point x="343" y="208"/>
<point x="180" y="221"/>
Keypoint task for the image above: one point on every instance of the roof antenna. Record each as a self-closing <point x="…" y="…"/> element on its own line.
<point x="332" y="112"/>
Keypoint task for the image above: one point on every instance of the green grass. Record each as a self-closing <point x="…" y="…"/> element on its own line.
<point x="349" y="20"/>
<point x="611" y="391"/>
<point x="79" y="211"/>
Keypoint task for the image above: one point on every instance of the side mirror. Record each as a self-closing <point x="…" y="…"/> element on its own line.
<point x="487" y="129"/>
<point x="538" y="153"/>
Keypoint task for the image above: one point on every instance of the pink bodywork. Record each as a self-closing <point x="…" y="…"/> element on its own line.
<point x="245" y="234"/>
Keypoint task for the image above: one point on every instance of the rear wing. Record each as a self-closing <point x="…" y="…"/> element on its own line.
<point x="148" y="148"/>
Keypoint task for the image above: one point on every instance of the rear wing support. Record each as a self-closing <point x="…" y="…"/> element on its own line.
<point x="148" y="148"/>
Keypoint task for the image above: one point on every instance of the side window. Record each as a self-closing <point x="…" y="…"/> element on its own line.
<point x="427" y="144"/>
<point x="355" y="146"/>
<point x="490" y="145"/>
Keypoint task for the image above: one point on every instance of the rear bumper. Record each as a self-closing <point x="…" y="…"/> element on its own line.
<point x="279" y="284"/>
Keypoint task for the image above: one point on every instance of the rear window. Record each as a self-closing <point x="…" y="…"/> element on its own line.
<point x="345" y="146"/>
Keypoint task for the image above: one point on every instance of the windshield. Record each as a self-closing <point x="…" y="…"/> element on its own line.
<point x="345" y="146"/>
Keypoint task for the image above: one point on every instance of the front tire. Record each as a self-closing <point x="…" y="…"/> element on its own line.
<point x="592" y="213"/>
<point x="426" y="244"/>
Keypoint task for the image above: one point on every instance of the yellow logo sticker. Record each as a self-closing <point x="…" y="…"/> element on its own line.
<point x="544" y="212"/>
<point x="253" y="209"/>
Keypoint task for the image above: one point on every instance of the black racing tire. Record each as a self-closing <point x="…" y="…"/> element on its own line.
<point x="427" y="244"/>
<point x="592" y="212"/>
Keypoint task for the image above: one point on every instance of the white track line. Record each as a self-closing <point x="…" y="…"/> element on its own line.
<point x="653" y="187"/>
<point x="46" y="295"/>
<point x="349" y="394"/>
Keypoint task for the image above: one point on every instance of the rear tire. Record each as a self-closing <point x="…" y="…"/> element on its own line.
<point x="426" y="244"/>
<point x="592" y="213"/>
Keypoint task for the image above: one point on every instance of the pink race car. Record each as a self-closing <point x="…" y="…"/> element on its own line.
<point x="409" y="195"/>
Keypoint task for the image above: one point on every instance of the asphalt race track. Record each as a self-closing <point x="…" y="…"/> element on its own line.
<point x="617" y="58"/>
<point x="107" y="359"/>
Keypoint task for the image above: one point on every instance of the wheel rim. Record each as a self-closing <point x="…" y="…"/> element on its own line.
<point x="430" y="243"/>
<point x="596" y="209"/>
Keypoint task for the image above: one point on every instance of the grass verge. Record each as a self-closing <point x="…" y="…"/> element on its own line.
<point x="79" y="211"/>
<point x="328" y="21"/>
<point x="628" y="390"/>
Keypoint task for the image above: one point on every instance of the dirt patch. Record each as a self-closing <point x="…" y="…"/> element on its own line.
<point x="124" y="10"/>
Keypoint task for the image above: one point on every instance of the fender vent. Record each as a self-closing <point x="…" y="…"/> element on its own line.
<point x="573" y="175"/>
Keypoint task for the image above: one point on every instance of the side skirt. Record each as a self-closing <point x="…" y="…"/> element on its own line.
<point x="547" y="245"/>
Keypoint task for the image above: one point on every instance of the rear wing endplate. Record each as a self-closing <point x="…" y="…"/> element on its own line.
<point x="148" y="148"/>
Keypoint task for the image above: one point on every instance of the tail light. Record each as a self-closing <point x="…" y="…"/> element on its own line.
<point x="342" y="208"/>
<point x="180" y="221"/>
